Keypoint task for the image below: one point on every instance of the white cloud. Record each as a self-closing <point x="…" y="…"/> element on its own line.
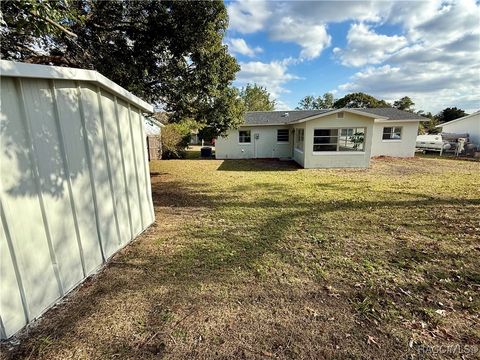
<point x="441" y="86"/>
<point x="432" y="57"/>
<point x="281" y="105"/>
<point x="248" y="16"/>
<point x="365" y="46"/>
<point x="312" y="38"/>
<point x="240" y="46"/>
<point x="433" y="62"/>
<point x="272" y="75"/>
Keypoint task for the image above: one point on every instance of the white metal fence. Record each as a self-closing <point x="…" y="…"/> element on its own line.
<point x="75" y="183"/>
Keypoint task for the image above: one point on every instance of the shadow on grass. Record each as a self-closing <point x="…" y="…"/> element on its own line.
<point x="259" y="165"/>
<point x="221" y="241"/>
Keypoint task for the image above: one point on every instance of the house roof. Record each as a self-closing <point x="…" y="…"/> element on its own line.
<point x="279" y="117"/>
<point x="394" y="114"/>
<point x="288" y="117"/>
<point x="476" y="113"/>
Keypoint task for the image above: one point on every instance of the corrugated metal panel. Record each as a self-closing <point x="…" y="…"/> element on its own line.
<point x="75" y="188"/>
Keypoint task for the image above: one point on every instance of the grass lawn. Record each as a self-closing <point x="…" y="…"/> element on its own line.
<point x="262" y="260"/>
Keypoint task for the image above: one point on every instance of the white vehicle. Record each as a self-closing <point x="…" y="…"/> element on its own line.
<point x="431" y="142"/>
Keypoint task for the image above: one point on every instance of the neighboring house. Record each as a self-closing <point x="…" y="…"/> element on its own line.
<point x="152" y="127"/>
<point x="195" y="139"/>
<point x="329" y="138"/>
<point x="469" y="124"/>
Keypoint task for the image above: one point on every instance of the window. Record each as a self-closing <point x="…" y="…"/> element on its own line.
<point x="244" y="136"/>
<point x="325" y="139"/>
<point x="392" y="133"/>
<point x="348" y="139"/>
<point x="300" y="139"/>
<point x="282" y="135"/>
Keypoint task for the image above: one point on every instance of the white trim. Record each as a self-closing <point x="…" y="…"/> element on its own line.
<point x="256" y="125"/>
<point x="379" y="121"/>
<point x="34" y="71"/>
<point x="338" y="153"/>
<point x="391" y="140"/>
<point x="353" y="111"/>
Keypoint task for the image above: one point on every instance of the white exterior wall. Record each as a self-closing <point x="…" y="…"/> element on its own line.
<point x="405" y="147"/>
<point x="266" y="146"/>
<point x="332" y="159"/>
<point x="470" y="125"/>
<point x="74" y="188"/>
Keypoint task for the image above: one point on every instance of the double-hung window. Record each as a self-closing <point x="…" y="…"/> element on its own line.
<point x="392" y="133"/>
<point x="244" y="136"/>
<point x="282" y="135"/>
<point x="345" y="139"/>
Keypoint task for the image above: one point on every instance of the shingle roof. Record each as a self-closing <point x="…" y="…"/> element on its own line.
<point x="393" y="114"/>
<point x="280" y="117"/>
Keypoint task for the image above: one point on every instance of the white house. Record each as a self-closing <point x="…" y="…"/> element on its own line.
<point x="329" y="138"/>
<point x="469" y="124"/>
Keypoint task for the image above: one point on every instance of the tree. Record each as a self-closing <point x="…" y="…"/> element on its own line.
<point x="405" y="103"/>
<point x="359" y="100"/>
<point x="256" y="98"/>
<point x="175" y="139"/>
<point x="28" y="26"/>
<point x="449" y="114"/>
<point x="307" y="103"/>
<point x="170" y="53"/>
<point x="321" y="102"/>
<point x="328" y="101"/>
<point x="425" y="127"/>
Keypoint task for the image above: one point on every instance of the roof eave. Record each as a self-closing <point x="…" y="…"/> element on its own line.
<point x="337" y="111"/>
<point x="397" y="120"/>
<point x="459" y="119"/>
<point x="276" y="124"/>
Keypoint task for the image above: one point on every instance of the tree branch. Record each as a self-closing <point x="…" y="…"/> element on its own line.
<point x="50" y="21"/>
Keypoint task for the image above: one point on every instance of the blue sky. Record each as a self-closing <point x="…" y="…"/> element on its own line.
<point x="428" y="50"/>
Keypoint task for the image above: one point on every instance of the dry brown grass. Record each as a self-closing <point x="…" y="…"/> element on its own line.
<point x="261" y="260"/>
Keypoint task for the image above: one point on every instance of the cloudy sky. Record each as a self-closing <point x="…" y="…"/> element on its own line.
<point x="428" y="50"/>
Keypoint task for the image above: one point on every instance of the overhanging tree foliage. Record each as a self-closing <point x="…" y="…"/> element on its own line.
<point x="167" y="52"/>
<point x="29" y="25"/>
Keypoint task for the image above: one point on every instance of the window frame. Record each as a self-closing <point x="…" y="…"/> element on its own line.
<point x="300" y="139"/>
<point x="338" y="142"/>
<point x="288" y="136"/>
<point x="242" y="138"/>
<point x="392" y="133"/>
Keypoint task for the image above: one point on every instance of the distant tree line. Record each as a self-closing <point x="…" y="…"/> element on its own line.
<point x="362" y="100"/>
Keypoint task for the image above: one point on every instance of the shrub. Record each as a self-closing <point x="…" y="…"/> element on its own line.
<point x="175" y="139"/>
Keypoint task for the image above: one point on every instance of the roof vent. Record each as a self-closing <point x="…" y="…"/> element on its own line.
<point x="285" y="114"/>
<point x="340" y="115"/>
